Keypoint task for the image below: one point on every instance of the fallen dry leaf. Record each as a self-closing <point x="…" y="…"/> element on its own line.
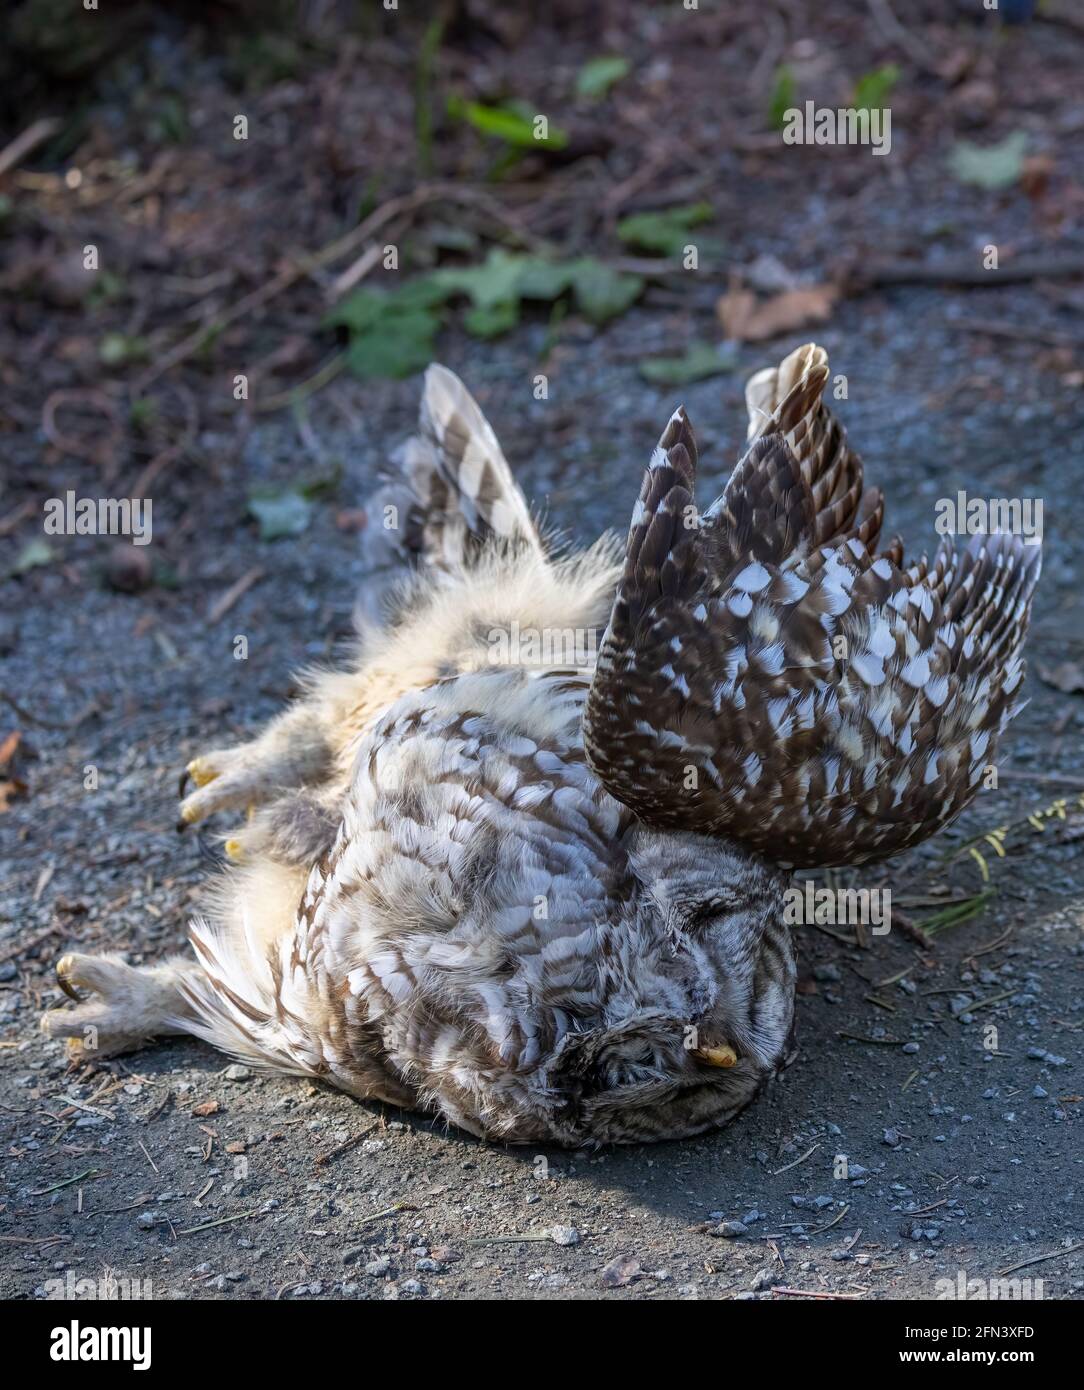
<point x="1036" y="174"/>
<point x="8" y="746"/>
<point x="620" y="1271"/>
<point x="10" y="788"/>
<point x="205" y="1108"/>
<point x="746" y="318"/>
<point x="1067" y="676"/>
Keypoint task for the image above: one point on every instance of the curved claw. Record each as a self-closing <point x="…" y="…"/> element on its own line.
<point x="202" y="771"/>
<point x="185" y="778"/>
<point x="63" y="969"/>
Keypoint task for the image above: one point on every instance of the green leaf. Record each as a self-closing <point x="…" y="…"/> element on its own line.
<point x="117" y="349"/>
<point x="602" y="292"/>
<point x="366" y="308"/>
<point x="506" y="123"/>
<point x="873" y="89"/>
<point x="34" y="553"/>
<point x="492" y="320"/>
<point x="596" y="77"/>
<point x="541" y="279"/>
<point x="397" y="344"/>
<point x="700" y="360"/>
<point x="391" y="334"/>
<point x="320" y="484"/>
<point x="783" y="97"/>
<point x="665" y="232"/>
<point x="280" y="513"/>
<point x="495" y="281"/>
<point x="999" y="166"/>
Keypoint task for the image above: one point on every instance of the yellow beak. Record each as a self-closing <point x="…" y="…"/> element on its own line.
<point x="716" y="1056"/>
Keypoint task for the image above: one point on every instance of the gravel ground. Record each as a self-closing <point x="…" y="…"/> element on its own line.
<point x="957" y="1159"/>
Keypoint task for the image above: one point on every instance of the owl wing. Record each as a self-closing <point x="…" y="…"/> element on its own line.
<point x="463" y="496"/>
<point x="767" y="675"/>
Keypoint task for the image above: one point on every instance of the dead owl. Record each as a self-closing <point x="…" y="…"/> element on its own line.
<point x="540" y="893"/>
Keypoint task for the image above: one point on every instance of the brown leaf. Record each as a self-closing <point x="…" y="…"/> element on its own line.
<point x="206" y="1107"/>
<point x="746" y="318"/>
<point x="351" y="520"/>
<point x="1067" y="676"/>
<point x="620" y="1271"/>
<point x="8" y="746"/>
<point x="1036" y="175"/>
<point x="10" y="788"/>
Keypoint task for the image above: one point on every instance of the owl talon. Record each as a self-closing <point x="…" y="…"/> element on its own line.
<point x="65" y="966"/>
<point x="202" y="771"/>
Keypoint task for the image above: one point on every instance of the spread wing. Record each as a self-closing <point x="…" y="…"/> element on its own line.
<point x="767" y="675"/>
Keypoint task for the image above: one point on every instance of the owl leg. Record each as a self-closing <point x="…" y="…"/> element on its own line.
<point x="126" y="1007"/>
<point x="295" y="830"/>
<point x="293" y="750"/>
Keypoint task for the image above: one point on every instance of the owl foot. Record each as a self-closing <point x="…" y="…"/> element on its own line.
<point x="124" y="1007"/>
<point x="224" y="779"/>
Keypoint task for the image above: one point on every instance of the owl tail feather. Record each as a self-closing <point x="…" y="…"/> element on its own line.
<point x="769" y="676"/>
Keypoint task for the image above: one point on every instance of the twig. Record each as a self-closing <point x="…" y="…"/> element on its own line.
<point x="890" y="26"/>
<point x="29" y="945"/>
<point x="29" y="140"/>
<point x="33" y="1240"/>
<point x="236" y="591"/>
<point x="17" y="516"/>
<point x="994" y="999"/>
<point x="159" y="1107"/>
<point x="923" y="1210"/>
<point x="834" y="1222"/>
<point x="388" y="1211"/>
<point x="509" y="1240"/>
<point x="960" y="272"/>
<point x="79" y="1177"/>
<point x="47" y="723"/>
<point x="883" y="1042"/>
<point x="319" y="379"/>
<point x="342" y="1148"/>
<point x="304" y="265"/>
<point x="1054" y="1254"/>
<point x="796" y="1161"/>
<point x="207" y="1225"/>
<point x="815" y="1293"/>
<point x="1052" y="779"/>
<point x="90" y="1109"/>
<point x="1018" y="332"/>
<point x="354" y="273"/>
<point x="173" y="451"/>
<point x="100" y="454"/>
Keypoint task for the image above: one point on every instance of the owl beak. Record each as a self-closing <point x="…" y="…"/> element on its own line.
<point x="722" y="1056"/>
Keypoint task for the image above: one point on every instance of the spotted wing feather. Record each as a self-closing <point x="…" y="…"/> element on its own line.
<point x="809" y="697"/>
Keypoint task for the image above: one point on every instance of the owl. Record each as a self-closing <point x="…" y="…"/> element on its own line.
<point x="522" y="863"/>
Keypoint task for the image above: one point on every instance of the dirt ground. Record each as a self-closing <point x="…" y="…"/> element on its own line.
<point x="212" y="1182"/>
